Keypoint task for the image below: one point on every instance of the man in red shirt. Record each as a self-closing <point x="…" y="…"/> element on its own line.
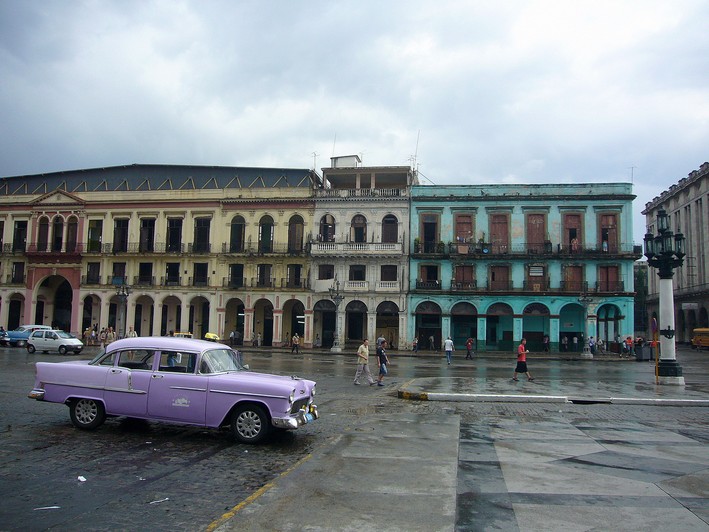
<point x="522" y="361"/>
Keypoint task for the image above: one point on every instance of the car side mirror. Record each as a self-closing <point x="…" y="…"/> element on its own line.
<point x="246" y="367"/>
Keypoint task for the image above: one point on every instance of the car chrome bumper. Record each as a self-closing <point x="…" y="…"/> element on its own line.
<point x="303" y="417"/>
<point x="36" y="393"/>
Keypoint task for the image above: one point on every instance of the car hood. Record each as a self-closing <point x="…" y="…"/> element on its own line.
<point x="267" y="379"/>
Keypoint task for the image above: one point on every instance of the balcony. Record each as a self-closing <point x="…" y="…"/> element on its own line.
<point x="573" y="286"/>
<point x="523" y="250"/>
<point x="428" y="285"/>
<point x="610" y="286"/>
<point x="233" y="282"/>
<point x="171" y="281"/>
<point x="199" y="281"/>
<point x="356" y="286"/>
<point x="295" y="284"/>
<point x="143" y="280"/>
<point x="89" y="280"/>
<point x="360" y="193"/>
<point x="539" y="284"/>
<point x="388" y="286"/>
<point x="356" y="248"/>
<point x="16" y="279"/>
<point x="464" y="286"/>
<point x="259" y="282"/>
<point x="43" y="252"/>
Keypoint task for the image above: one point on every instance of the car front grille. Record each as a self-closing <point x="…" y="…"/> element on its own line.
<point x="300" y="403"/>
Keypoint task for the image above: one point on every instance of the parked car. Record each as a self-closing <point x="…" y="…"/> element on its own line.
<point x="177" y="380"/>
<point x="700" y="340"/>
<point x="53" y="340"/>
<point x="18" y="337"/>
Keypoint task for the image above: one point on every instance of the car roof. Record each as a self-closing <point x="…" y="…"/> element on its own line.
<point x="163" y="342"/>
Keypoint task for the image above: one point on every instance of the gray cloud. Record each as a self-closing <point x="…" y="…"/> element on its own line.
<point x="542" y="91"/>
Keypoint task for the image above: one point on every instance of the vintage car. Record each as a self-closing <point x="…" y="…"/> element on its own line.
<point x="18" y="337"/>
<point x="47" y="340"/>
<point x="176" y="380"/>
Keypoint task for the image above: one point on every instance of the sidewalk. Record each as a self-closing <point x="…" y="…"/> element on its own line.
<point x="419" y="472"/>
<point x="394" y="472"/>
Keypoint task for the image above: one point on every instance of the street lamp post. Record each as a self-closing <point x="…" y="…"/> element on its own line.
<point x="337" y="298"/>
<point x="122" y="291"/>
<point x="585" y="301"/>
<point x="665" y="252"/>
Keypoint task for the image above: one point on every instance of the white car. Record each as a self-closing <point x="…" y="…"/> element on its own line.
<point x="53" y="340"/>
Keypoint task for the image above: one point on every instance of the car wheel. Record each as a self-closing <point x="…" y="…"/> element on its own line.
<point x="250" y="424"/>
<point x="87" y="414"/>
<point x="30" y="348"/>
<point x="62" y="350"/>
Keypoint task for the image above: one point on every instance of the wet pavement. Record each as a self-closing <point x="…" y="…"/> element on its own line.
<point x="463" y="460"/>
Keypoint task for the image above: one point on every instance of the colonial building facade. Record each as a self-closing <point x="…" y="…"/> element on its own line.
<point x="499" y="262"/>
<point x="203" y="249"/>
<point x="358" y="252"/>
<point x="687" y="205"/>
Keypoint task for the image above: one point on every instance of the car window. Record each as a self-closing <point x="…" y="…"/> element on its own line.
<point x="63" y="334"/>
<point x="177" y="361"/>
<point x="136" y="359"/>
<point x="219" y="360"/>
<point x="108" y="360"/>
<point x="52" y="336"/>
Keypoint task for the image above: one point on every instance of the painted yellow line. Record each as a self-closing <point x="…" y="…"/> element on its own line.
<point x="255" y="495"/>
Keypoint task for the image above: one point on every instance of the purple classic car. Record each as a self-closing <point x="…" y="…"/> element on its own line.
<point x="177" y="380"/>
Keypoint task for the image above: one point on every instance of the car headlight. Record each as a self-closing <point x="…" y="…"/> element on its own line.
<point x="291" y="397"/>
<point x="312" y="391"/>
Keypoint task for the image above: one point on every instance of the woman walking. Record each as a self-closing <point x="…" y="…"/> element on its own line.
<point x="521" y="367"/>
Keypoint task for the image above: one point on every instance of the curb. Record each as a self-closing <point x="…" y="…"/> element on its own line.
<point x="502" y="398"/>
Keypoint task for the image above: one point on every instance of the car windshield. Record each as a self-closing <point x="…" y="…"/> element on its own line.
<point x="220" y="360"/>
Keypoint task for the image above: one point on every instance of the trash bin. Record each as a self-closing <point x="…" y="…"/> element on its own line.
<point x="643" y="352"/>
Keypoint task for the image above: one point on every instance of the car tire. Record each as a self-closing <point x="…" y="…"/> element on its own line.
<point x="62" y="350"/>
<point x="250" y="424"/>
<point x="30" y="348"/>
<point x="87" y="414"/>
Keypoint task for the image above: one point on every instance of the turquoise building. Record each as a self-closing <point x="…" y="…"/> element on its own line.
<point x="551" y="263"/>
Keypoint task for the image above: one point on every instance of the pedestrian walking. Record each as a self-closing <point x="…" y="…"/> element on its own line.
<point x="521" y="367"/>
<point x="431" y="345"/>
<point x="363" y="363"/>
<point x="469" y="349"/>
<point x="592" y="345"/>
<point x="415" y="344"/>
<point x="448" y="347"/>
<point x="231" y="338"/>
<point x="383" y="361"/>
<point x="545" y="342"/>
<point x="564" y="343"/>
<point x="575" y="341"/>
<point x="380" y="340"/>
<point x="132" y="333"/>
<point x="296" y="344"/>
<point x="110" y="336"/>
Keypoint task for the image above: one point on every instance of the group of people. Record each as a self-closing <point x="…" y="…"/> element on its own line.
<point x="92" y="336"/>
<point x="363" y="362"/>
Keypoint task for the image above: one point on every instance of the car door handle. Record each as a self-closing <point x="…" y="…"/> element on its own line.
<point x="156" y="376"/>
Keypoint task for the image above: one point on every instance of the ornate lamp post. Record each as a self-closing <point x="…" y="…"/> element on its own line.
<point x="337" y="298"/>
<point x="665" y="252"/>
<point x="122" y="291"/>
<point x="585" y="301"/>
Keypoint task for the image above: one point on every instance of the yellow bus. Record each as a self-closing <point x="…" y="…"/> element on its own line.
<point x="701" y="338"/>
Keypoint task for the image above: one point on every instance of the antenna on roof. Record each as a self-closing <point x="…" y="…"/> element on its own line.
<point x="632" y="174"/>
<point x="333" y="145"/>
<point x="416" y="151"/>
<point x="315" y="160"/>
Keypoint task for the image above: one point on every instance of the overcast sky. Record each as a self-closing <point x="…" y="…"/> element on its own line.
<point x="478" y="91"/>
